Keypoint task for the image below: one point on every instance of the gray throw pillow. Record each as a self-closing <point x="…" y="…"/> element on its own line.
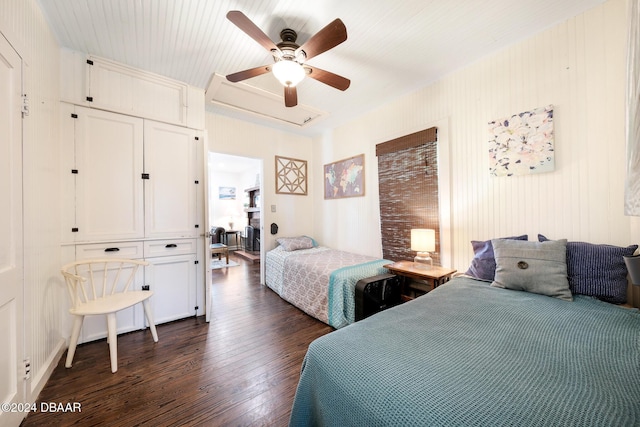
<point x="295" y="243"/>
<point x="537" y="267"/>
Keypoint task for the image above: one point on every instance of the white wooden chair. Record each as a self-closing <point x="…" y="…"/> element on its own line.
<point x="104" y="287"/>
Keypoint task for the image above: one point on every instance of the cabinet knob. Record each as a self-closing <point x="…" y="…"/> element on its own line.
<point x="112" y="250"/>
<point x="171" y="245"/>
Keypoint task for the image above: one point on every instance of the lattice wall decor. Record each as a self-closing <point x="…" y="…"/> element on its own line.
<point x="291" y="176"/>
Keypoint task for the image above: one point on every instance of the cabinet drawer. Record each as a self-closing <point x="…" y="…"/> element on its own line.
<point x="129" y="250"/>
<point x="153" y="248"/>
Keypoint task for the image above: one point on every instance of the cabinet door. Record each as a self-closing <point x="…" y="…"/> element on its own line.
<point x="117" y="87"/>
<point x="170" y="159"/>
<point x="109" y="188"/>
<point x="173" y="282"/>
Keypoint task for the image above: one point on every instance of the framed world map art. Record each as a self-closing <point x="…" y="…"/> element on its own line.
<point x="344" y="178"/>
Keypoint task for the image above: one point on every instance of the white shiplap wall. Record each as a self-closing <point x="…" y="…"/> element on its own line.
<point x="24" y="26"/>
<point x="294" y="213"/>
<point x="579" y="67"/>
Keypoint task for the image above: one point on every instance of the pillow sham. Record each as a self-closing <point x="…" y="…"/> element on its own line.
<point x="295" y="243"/>
<point x="537" y="267"/>
<point x="597" y="270"/>
<point x="313" y="241"/>
<point x="483" y="264"/>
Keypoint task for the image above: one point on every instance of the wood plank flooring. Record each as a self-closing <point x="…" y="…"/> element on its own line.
<point x="241" y="369"/>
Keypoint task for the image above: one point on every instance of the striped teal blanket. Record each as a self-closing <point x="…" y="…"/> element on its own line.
<point x="468" y="354"/>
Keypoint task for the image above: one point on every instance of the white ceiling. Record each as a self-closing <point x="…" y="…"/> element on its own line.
<point x="394" y="47"/>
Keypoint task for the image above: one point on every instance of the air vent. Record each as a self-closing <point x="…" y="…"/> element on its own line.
<point x="257" y="102"/>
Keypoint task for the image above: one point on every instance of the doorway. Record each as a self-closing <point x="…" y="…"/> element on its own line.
<point x="235" y="202"/>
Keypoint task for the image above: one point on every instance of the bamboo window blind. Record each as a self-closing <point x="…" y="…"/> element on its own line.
<point x="408" y="186"/>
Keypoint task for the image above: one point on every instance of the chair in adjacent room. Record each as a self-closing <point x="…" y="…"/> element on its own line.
<point x="104" y="287"/>
<point x="218" y="243"/>
<point x="218" y="235"/>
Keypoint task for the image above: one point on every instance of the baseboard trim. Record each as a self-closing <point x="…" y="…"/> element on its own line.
<point x="40" y="380"/>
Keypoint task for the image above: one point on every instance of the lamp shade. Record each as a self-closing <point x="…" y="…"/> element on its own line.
<point x="633" y="267"/>
<point x="423" y="240"/>
<point x="288" y="72"/>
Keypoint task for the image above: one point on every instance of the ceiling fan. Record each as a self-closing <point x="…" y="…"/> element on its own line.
<point x="290" y="58"/>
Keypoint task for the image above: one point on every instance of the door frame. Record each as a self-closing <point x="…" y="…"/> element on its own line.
<point x="15" y="381"/>
<point x="207" y="228"/>
<point x="207" y="222"/>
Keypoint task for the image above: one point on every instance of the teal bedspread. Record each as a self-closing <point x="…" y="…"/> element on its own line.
<point x="342" y="289"/>
<point x="468" y="354"/>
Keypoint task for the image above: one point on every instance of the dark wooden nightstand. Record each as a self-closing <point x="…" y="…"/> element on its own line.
<point x="417" y="280"/>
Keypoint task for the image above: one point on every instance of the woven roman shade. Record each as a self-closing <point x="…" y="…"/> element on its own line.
<point x="408" y="185"/>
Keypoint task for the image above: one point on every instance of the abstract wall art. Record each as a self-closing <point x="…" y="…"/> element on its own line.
<point x="522" y="143"/>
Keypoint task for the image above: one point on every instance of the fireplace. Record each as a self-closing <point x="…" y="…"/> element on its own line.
<point x="251" y="239"/>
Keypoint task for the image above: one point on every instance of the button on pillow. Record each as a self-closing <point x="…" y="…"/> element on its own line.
<point x="537" y="267"/>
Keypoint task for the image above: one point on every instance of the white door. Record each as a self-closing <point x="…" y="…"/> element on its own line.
<point x="170" y="161"/>
<point x="207" y="229"/>
<point x="12" y="388"/>
<point x="109" y="184"/>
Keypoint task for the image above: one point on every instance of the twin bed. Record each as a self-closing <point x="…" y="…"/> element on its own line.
<point x="537" y="345"/>
<point x="319" y="280"/>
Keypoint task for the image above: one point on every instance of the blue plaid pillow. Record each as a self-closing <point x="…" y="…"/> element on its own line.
<point x="597" y="270"/>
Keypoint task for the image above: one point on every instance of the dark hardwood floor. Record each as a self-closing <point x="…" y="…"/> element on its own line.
<point x="240" y="369"/>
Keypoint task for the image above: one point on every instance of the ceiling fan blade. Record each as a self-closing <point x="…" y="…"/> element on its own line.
<point x="328" y="78"/>
<point x="252" y="30"/>
<point x="290" y="96"/>
<point x="328" y="37"/>
<point x="247" y="74"/>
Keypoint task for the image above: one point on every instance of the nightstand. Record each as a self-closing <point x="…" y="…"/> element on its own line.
<point x="417" y="280"/>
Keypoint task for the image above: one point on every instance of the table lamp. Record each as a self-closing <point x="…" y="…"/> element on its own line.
<point x="633" y="267"/>
<point x="423" y="241"/>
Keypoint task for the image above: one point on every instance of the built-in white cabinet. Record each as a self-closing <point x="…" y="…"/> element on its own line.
<point x="103" y="169"/>
<point x="131" y="155"/>
<point x="115" y="87"/>
<point x="174" y="287"/>
<point x="172" y="273"/>
<point x="171" y="161"/>
<point x="128" y="178"/>
<point x="129" y="319"/>
<point x="108" y="85"/>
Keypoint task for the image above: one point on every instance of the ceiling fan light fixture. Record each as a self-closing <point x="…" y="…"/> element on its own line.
<point x="288" y="72"/>
<point x="289" y="56"/>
